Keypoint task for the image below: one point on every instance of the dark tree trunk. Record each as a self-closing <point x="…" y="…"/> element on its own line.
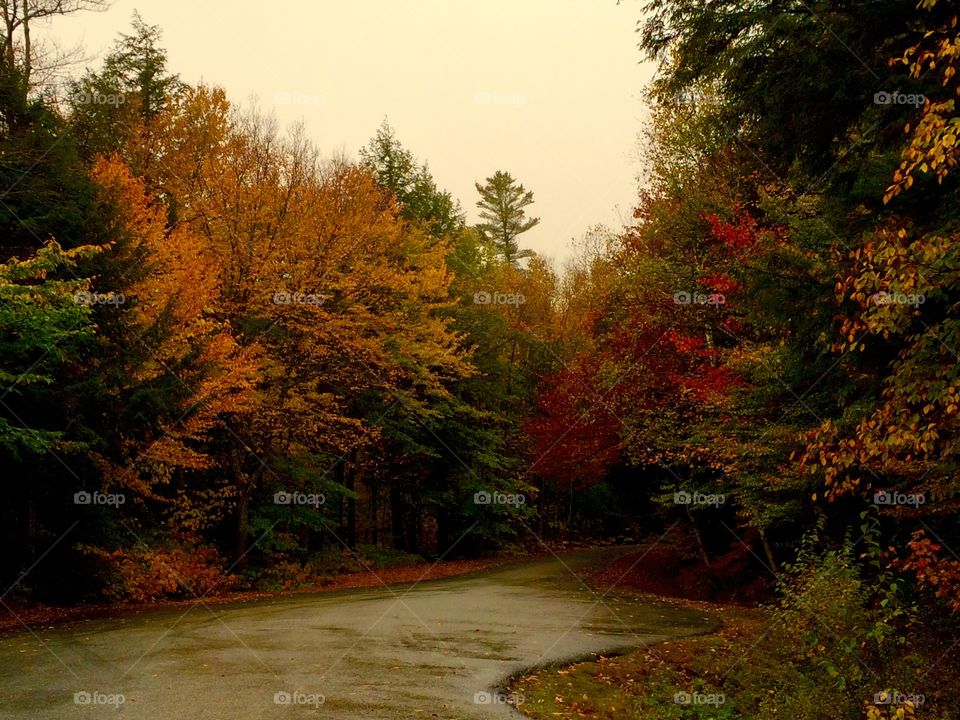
<point x="243" y="533"/>
<point x="413" y="528"/>
<point x="339" y="480"/>
<point x="374" y="488"/>
<point x="699" y="538"/>
<point x="768" y="550"/>
<point x="396" y="517"/>
<point x="242" y="538"/>
<point x="351" y="484"/>
<point x="443" y="532"/>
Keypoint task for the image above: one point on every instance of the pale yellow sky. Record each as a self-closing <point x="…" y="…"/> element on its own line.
<point x="549" y="90"/>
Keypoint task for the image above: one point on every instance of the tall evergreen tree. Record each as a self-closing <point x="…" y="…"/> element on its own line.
<point x="108" y="108"/>
<point x="502" y="202"/>
<point x="411" y="183"/>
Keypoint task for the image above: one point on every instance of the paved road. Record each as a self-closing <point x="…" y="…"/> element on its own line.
<point x="433" y="650"/>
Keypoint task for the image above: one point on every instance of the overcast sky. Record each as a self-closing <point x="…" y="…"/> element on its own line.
<point x="549" y="90"/>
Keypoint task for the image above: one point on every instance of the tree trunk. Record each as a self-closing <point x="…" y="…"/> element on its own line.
<point x="242" y="537"/>
<point x="243" y="534"/>
<point x="768" y="550"/>
<point x="696" y="533"/>
<point x="413" y="529"/>
<point x="443" y="532"/>
<point x="339" y="480"/>
<point x="374" y="508"/>
<point x="8" y="45"/>
<point x="27" y="62"/>
<point x="396" y="517"/>
<point x="350" y="476"/>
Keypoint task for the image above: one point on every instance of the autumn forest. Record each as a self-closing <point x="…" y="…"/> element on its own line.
<point x="234" y="364"/>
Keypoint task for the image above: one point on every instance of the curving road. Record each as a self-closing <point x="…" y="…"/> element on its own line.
<point x="434" y="650"/>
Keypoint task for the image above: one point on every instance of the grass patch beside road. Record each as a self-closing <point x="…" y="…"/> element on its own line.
<point x="686" y="679"/>
<point x="837" y="643"/>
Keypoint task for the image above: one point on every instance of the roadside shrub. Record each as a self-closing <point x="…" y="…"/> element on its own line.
<point x="286" y="574"/>
<point x="384" y="557"/>
<point x="158" y="573"/>
<point x="843" y="635"/>
<point x="819" y="638"/>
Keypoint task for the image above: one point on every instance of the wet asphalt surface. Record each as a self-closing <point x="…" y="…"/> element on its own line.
<point x="437" y="649"/>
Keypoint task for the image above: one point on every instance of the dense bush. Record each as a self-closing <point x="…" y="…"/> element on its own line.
<point x="146" y="574"/>
<point x="845" y="637"/>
